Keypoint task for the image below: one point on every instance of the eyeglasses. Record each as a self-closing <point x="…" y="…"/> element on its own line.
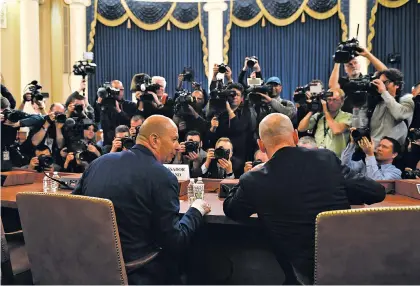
<point x="387" y="82"/>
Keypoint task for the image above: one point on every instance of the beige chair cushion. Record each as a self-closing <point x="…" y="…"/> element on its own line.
<point x="368" y="246"/>
<point x="71" y="239"/>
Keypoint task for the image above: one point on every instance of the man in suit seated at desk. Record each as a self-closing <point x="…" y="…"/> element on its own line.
<point x="145" y="195"/>
<point x="290" y="190"/>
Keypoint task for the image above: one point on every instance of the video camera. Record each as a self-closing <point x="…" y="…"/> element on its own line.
<point x="108" y="94"/>
<point x="84" y="68"/>
<point x="254" y="97"/>
<point x="44" y="162"/>
<point x="183" y="99"/>
<point x="410" y="174"/>
<point x="81" y="152"/>
<point x="362" y="91"/>
<point x="346" y="51"/>
<point x="188" y="74"/>
<point x="217" y="101"/>
<point x="313" y="103"/>
<point x="191" y="146"/>
<point x="221" y="153"/>
<point x="12" y="115"/>
<point x="34" y="89"/>
<point x="359" y="133"/>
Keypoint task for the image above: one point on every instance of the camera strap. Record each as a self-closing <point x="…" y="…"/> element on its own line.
<point x="326" y="128"/>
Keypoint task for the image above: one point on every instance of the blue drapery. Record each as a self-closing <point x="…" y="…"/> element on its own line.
<point x="296" y="53"/>
<point x="120" y="53"/>
<point x="397" y="31"/>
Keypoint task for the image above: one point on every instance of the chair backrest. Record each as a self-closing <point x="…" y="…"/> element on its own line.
<point x="368" y="246"/>
<point x="6" y="266"/>
<point x="71" y="239"/>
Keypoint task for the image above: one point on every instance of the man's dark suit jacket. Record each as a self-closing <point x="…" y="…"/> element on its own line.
<point x="288" y="192"/>
<point x="145" y="197"/>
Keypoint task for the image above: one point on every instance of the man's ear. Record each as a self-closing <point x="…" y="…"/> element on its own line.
<point x="295" y="137"/>
<point x="261" y="146"/>
<point x="153" y="140"/>
<point x="201" y="144"/>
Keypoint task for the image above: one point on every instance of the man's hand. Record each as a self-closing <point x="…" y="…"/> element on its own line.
<point x="40" y="103"/>
<point x="70" y="108"/>
<point x="59" y="125"/>
<point x="324" y="106"/>
<point x="181" y="147"/>
<point x="33" y="163"/>
<point x="364" y="53"/>
<point x="192" y="156"/>
<point x="380" y="85"/>
<point x="257" y="67"/>
<point x="12" y="124"/>
<point x="228" y="74"/>
<point x="70" y="157"/>
<point x="93" y="149"/>
<point x="214" y="124"/>
<point x="367" y="147"/>
<point x="226" y="164"/>
<point x="2" y="118"/>
<point x="210" y="156"/>
<point x="215" y="70"/>
<point x="182" y="125"/>
<point x="180" y="78"/>
<point x="51" y="115"/>
<point x="63" y="152"/>
<point x="116" y="145"/>
<point x="265" y="97"/>
<point x="245" y="64"/>
<point x="117" y="106"/>
<point x="202" y="206"/>
<point x="351" y="137"/>
<point x="248" y="166"/>
<point x="133" y="131"/>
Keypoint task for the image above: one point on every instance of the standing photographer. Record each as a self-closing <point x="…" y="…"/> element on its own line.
<point x="42" y="162"/>
<point x="278" y="104"/>
<point x="122" y="133"/>
<point x="77" y="108"/>
<point x="250" y="63"/>
<point x="352" y="69"/>
<point x="7" y="94"/>
<point x="329" y="127"/>
<point x="394" y="112"/>
<point x="191" y="153"/>
<point x="32" y="99"/>
<point x="222" y="69"/>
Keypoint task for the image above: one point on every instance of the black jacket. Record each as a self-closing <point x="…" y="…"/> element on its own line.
<point x="145" y="197"/>
<point x="6" y="93"/>
<point x="289" y="192"/>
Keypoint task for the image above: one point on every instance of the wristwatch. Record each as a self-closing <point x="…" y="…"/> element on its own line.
<point x="230" y="174"/>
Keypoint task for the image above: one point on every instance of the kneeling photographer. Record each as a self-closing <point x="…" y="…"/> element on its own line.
<point x="259" y="158"/>
<point x="188" y="112"/>
<point x="43" y="161"/>
<point x="122" y="140"/>
<point x="218" y="164"/>
<point x="329" y="124"/>
<point x="231" y="118"/>
<point x="377" y="164"/>
<point x="191" y="153"/>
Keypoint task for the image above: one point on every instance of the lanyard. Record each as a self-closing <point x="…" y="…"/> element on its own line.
<point x="326" y="129"/>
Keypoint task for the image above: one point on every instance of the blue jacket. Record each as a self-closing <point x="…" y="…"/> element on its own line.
<point x="145" y="195"/>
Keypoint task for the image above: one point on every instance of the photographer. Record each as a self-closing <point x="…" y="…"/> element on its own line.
<point x="377" y="165"/>
<point x="278" y="104"/>
<point x="218" y="164"/>
<point x="50" y="134"/>
<point x="191" y="153"/>
<point x="135" y="124"/>
<point x="222" y="69"/>
<point x="32" y="99"/>
<point x="415" y="91"/>
<point x="352" y="69"/>
<point x="42" y="162"/>
<point x="121" y="142"/>
<point x="235" y="121"/>
<point x="394" y="112"/>
<point x="77" y="107"/>
<point x="259" y="158"/>
<point x="329" y="127"/>
<point x="250" y="63"/>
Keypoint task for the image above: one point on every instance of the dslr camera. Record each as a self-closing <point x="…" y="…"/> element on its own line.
<point x="251" y="62"/>
<point x="410" y="174"/>
<point x="143" y="83"/>
<point x="191" y="146"/>
<point x="256" y="163"/>
<point x="254" y="97"/>
<point x="217" y="101"/>
<point x="221" y="153"/>
<point x="222" y="68"/>
<point x="183" y="99"/>
<point x="79" y="148"/>
<point x="359" y="133"/>
<point x="346" y="51"/>
<point x="188" y="74"/>
<point x="84" y="68"/>
<point x="127" y="142"/>
<point x="108" y="94"/>
<point x="45" y="162"/>
<point x="413" y="135"/>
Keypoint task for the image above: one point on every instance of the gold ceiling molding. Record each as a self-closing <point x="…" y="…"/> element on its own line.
<point x="282" y="22"/>
<point x="204" y="42"/>
<point x="344" y="27"/>
<point x="247" y="23"/>
<point x="393" y="4"/>
<point x="321" y="15"/>
<point x="227" y="35"/>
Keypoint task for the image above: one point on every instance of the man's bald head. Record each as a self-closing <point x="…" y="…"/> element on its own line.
<point x="160" y="135"/>
<point x="276" y="131"/>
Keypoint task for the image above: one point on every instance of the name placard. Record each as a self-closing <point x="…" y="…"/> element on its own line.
<point x="182" y="172"/>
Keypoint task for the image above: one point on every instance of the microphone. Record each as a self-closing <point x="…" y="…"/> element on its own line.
<point x="70" y="122"/>
<point x="64" y="184"/>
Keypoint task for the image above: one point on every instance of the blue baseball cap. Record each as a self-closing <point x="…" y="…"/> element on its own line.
<point x="273" y="79"/>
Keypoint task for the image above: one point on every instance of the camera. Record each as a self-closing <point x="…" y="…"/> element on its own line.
<point x="84" y="68"/>
<point x="188" y="74"/>
<point x="217" y="101"/>
<point x="191" y="146"/>
<point x="183" y="99"/>
<point x="410" y="174"/>
<point x="107" y="91"/>
<point x="34" y="89"/>
<point x="414" y="135"/>
<point x="221" y="153"/>
<point x="256" y="162"/>
<point x="359" y="133"/>
<point x="299" y="95"/>
<point x="362" y="91"/>
<point x="60" y="117"/>
<point x="346" y="51"/>
<point x="79" y="148"/>
<point x="143" y="83"/>
<point x="222" y="68"/>
<point x="78" y="108"/>
<point x="315" y="104"/>
<point x="251" y="62"/>
<point x="45" y="162"/>
<point x="12" y="115"/>
<point x="196" y="86"/>
<point x="254" y="97"/>
<point x="127" y="142"/>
